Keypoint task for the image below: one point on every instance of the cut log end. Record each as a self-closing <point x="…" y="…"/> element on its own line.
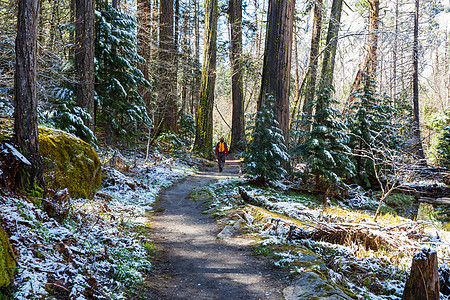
<point x="423" y="282"/>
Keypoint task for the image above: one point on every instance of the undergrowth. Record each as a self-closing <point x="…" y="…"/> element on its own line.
<point x="357" y="270"/>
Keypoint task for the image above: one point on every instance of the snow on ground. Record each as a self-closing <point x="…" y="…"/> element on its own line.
<point x="94" y="252"/>
<point x="367" y="273"/>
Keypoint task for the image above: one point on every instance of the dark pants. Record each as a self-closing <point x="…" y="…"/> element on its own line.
<point x="221" y="160"/>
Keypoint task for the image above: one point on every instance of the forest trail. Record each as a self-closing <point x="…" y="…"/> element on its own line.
<point x="192" y="263"/>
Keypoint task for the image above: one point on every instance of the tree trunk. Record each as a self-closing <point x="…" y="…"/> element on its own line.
<point x="204" y="120"/>
<point x="84" y="58"/>
<point x="155" y="29"/>
<point x="144" y="43"/>
<point x="53" y="24"/>
<point x="313" y="59"/>
<point x="370" y="63"/>
<point x="419" y="148"/>
<point x="394" y="57"/>
<point x="197" y="73"/>
<point x="167" y="99"/>
<point x="237" y="125"/>
<point x="185" y="55"/>
<point x="329" y="56"/>
<point x="277" y="60"/>
<point x="176" y="36"/>
<point x="423" y="282"/>
<point x="25" y="95"/>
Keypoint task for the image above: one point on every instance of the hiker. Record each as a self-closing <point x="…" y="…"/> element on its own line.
<point x="221" y="151"/>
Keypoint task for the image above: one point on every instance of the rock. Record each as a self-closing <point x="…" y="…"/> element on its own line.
<point x="309" y="286"/>
<point x="7" y="260"/>
<point x="227" y="232"/>
<point x="69" y="162"/>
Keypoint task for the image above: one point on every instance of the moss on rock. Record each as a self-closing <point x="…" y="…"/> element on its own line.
<point x="7" y="260"/>
<point x="6" y="129"/>
<point x="69" y="163"/>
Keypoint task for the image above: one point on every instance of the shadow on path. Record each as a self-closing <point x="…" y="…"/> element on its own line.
<point x="193" y="263"/>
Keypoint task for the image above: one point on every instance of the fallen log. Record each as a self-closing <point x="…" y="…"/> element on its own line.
<point x="316" y="226"/>
<point x="435" y="200"/>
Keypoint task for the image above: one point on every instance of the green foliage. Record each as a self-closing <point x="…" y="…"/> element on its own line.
<point x="325" y="149"/>
<point x="69" y="117"/>
<point x="117" y="74"/>
<point x="444" y="148"/>
<point x="369" y="120"/>
<point x="186" y="127"/>
<point x="129" y="265"/>
<point x="266" y="155"/>
<point x="438" y="122"/>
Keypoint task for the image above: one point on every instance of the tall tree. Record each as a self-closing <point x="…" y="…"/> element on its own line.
<point x="237" y="125"/>
<point x="25" y="95"/>
<point x="196" y="82"/>
<point x="313" y="58"/>
<point x="204" y="119"/>
<point x="166" y="116"/>
<point x="84" y="58"/>
<point x="144" y="43"/>
<point x="419" y="148"/>
<point x="329" y="56"/>
<point x="277" y="60"/>
<point x="369" y="65"/>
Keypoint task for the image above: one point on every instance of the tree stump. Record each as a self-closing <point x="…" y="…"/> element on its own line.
<point x="423" y="282"/>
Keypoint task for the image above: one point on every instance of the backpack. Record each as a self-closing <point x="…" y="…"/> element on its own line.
<point x="221" y="147"/>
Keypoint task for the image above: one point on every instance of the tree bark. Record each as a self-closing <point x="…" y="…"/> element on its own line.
<point x="25" y="95"/>
<point x="370" y="63"/>
<point x="313" y="59"/>
<point x="329" y="56"/>
<point x="84" y="58"/>
<point x="277" y="61"/>
<point x="197" y="73"/>
<point x="167" y="98"/>
<point x="155" y="29"/>
<point x="423" y="282"/>
<point x="144" y="43"/>
<point x="394" y="56"/>
<point x="419" y="148"/>
<point x="204" y="120"/>
<point x="237" y="83"/>
<point x="53" y="24"/>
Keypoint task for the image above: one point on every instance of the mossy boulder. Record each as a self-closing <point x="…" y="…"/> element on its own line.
<point x="7" y="260"/>
<point x="69" y="162"/>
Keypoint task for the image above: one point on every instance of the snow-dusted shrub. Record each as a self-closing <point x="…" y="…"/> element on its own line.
<point x="266" y="155"/>
<point x="371" y="123"/>
<point x="325" y="147"/>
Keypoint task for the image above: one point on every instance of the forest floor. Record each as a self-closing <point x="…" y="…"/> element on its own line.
<point x="192" y="262"/>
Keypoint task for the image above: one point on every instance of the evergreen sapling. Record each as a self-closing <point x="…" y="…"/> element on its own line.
<point x="369" y="120"/>
<point x="266" y="156"/>
<point x="325" y="150"/>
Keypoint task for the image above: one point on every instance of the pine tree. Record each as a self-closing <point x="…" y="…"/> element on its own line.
<point x="117" y="74"/>
<point x="370" y="126"/>
<point x="266" y="155"/>
<point x="325" y="149"/>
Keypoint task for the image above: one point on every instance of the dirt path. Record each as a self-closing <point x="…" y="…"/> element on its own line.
<point x="196" y="265"/>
